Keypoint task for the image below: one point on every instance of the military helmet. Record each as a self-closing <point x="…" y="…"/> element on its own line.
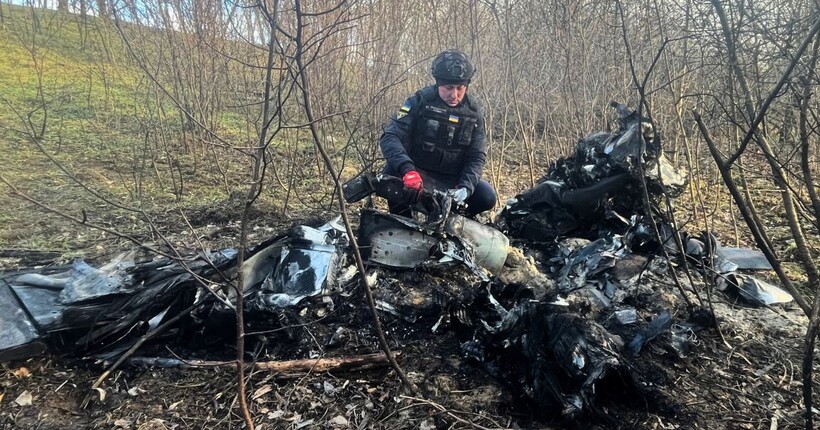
<point x="452" y="67"/>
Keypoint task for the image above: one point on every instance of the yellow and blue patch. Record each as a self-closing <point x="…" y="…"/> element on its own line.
<point x="453" y="119"/>
<point x="403" y="111"/>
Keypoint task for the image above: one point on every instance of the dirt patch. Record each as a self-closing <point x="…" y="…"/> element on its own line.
<point x="750" y="381"/>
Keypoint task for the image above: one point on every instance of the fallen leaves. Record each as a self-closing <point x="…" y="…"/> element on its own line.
<point x="101" y="392"/>
<point x="24" y="399"/>
<point x="122" y="423"/>
<point x="135" y="391"/>
<point x="154" y="424"/>
<point x="338" y="421"/>
<point x="22" y="372"/>
<point x="260" y="392"/>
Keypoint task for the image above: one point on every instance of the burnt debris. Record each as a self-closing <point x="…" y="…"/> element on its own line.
<point x="83" y="310"/>
<point x="597" y="187"/>
<point x="559" y="318"/>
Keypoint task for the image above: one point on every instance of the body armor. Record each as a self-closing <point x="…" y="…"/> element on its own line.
<point x="442" y="134"/>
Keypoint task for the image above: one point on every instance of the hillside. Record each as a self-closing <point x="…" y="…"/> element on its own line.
<point x="84" y="132"/>
<point x="147" y="133"/>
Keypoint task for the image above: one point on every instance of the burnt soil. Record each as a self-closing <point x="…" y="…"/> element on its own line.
<point x="746" y="375"/>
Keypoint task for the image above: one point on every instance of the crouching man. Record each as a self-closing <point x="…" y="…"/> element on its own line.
<point x="437" y="140"/>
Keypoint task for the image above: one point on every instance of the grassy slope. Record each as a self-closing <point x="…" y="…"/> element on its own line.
<point x="74" y="77"/>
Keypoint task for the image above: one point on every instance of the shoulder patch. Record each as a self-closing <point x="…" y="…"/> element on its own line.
<point x="403" y="111"/>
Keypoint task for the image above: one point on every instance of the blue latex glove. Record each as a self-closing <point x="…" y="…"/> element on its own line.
<point x="459" y="194"/>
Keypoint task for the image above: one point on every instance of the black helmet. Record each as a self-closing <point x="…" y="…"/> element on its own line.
<point x="452" y="67"/>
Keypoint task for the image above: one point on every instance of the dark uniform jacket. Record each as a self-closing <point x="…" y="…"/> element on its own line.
<point x="447" y="143"/>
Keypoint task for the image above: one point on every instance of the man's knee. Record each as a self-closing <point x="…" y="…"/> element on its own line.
<point x="482" y="199"/>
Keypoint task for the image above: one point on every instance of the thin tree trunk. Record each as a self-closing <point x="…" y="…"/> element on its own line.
<point x="305" y="87"/>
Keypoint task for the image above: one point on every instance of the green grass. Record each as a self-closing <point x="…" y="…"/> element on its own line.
<point x="70" y="96"/>
<point x="89" y="108"/>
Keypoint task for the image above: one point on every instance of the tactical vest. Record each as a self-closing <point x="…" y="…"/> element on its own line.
<point x="442" y="134"/>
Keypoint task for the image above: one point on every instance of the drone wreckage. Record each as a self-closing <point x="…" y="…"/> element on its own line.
<point x="551" y="325"/>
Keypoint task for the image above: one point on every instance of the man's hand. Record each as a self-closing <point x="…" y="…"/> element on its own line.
<point x="412" y="179"/>
<point x="459" y="194"/>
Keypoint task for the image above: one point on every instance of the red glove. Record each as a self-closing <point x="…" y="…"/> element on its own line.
<point x="412" y="179"/>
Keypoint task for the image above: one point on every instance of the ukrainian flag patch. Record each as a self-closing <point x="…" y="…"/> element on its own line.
<point x="403" y="111"/>
<point x="453" y="119"/>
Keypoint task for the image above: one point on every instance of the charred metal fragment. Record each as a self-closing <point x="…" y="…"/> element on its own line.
<point x="599" y="180"/>
<point x="659" y="325"/>
<point x="396" y="241"/>
<point x="303" y="264"/>
<point x="753" y="290"/>
<point x="555" y="357"/>
<point x="19" y="337"/>
<point x="744" y="258"/>
<point x="626" y="316"/>
<point x="400" y="242"/>
<point x="587" y="262"/>
<point x="393" y="241"/>
<point x="551" y="210"/>
<point x="408" y="314"/>
<point x="85" y="309"/>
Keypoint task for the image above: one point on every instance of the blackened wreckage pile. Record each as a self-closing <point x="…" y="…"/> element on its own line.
<point x="558" y="308"/>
